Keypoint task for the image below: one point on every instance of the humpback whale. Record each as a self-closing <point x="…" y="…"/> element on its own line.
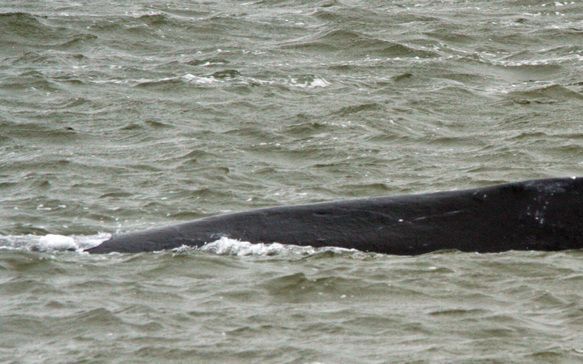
<point x="545" y="214"/>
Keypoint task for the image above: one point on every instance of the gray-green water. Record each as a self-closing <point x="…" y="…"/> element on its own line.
<point x="119" y="116"/>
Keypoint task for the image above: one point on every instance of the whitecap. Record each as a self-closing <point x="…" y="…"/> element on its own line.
<point x="309" y="82"/>
<point x="200" y="80"/>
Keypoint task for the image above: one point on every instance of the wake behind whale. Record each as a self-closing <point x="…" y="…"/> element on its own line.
<point x="542" y="214"/>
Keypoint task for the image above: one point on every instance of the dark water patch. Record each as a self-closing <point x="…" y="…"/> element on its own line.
<point x="157" y="124"/>
<point x="553" y="54"/>
<point x="155" y="20"/>
<point x="374" y="189"/>
<point x="549" y="300"/>
<point x="77" y="41"/>
<point x="151" y="26"/>
<point x="305" y="129"/>
<point x="459" y="313"/>
<point x="467" y="79"/>
<point x="546" y="95"/>
<point x="187" y="12"/>
<point x="116" y="195"/>
<point x="251" y="133"/>
<point x="145" y="168"/>
<point x="451" y="36"/>
<point x="566" y="34"/>
<point x="530" y="135"/>
<point x="99" y="317"/>
<point x="245" y="31"/>
<point x="402" y="77"/>
<point x="206" y="62"/>
<point x="353" y="16"/>
<point x="27" y="226"/>
<point x="29" y="57"/>
<point x="168" y="83"/>
<point x="196" y="155"/>
<point x="40" y="130"/>
<point x="68" y="103"/>
<point x="26" y="262"/>
<point x="549" y="355"/>
<point x="132" y="126"/>
<point x="518" y="71"/>
<point x="23" y="24"/>
<point x="361" y="108"/>
<point x="226" y="74"/>
<point x="201" y="192"/>
<point x="295" y="4"/>
<point x="301" y="288"/>
<point x="452" y="141"/>
<point x="39" y="32"/>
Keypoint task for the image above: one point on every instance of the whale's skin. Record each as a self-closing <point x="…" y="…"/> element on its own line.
<point x="544" y="214"/>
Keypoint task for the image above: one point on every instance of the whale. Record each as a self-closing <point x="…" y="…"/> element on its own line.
<point x="543" y="214"/>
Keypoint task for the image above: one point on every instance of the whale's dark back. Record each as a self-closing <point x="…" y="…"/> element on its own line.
<point x="532" y="215"/>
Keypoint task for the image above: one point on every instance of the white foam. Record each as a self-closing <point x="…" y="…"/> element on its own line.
<point x="188" y="78"/>
<point x="227" y="246"/>
<point x="199" y="80"/>
<point x="309" y="83"/>
<point x="319" y="82"/>
<point x="52" y="242"/>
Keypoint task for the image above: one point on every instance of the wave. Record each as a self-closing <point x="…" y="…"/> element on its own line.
<point x="27" y="80"/>
<point x="28" y="30"/>
<point x="547" y="94"/>
<point x="350" y="42"/>
<point x="224" y="78"/>
<point x="19" y="20"/>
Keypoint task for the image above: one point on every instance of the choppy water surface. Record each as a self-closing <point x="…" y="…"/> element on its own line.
<point x="118" y="117"/>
